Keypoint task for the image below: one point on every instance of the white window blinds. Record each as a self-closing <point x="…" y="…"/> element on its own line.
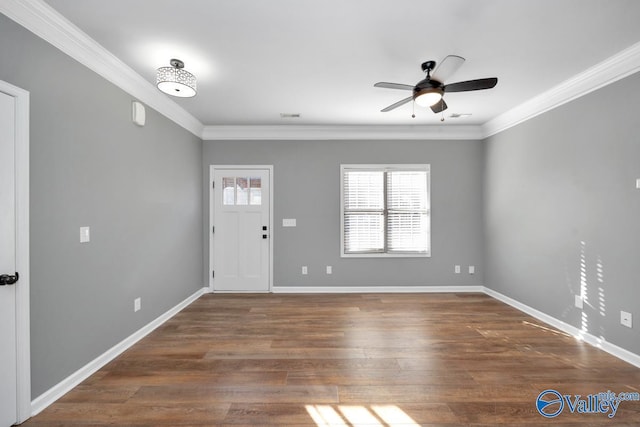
<point x="385" y="210"/>
<point x="363" y="211"/>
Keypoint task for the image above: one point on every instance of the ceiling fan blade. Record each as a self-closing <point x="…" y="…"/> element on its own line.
<point x="439" y="106"/>
<point x="471" y="85"/>
<point x="393" y="86"/>
<point x="397" y="104"/>
<point x="447" y="68"/>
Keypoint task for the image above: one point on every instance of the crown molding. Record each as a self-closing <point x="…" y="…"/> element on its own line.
<point x="344" y="132"/>
<point x="617" y="67"/>
<point x="45" y="22"/>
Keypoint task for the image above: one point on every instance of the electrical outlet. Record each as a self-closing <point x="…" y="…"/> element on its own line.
<point x="626" y="319"/>
<point x="305" y="270"/>
<point x="457" y="269"/>
<point x="578" y="301"/>
<point x="472" y="269"/>
<point x="329" y="269"/>
<point x="137" y="304"/>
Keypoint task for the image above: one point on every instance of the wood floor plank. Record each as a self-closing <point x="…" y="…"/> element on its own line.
<point x="82" y="414"/>
<point x="236" y="393"/>
<point x="460" y="392"/>
<point x="373" y="377"/>
<point x="100" y="393"/>
<point x="346" y="360"/>
<point x="194" y="378"/>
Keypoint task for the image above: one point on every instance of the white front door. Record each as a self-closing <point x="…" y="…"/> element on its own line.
<point x="241" y="232"/>
<point x="8" y="343"/>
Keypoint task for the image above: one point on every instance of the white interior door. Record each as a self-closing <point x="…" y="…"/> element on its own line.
<point x="8" y="339"/>
<point x="241" y="248"/>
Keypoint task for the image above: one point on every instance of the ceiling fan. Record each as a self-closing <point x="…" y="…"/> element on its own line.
<point x="429" y="92"/>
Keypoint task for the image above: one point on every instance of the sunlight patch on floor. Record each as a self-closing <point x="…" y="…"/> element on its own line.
<point x="359" y="416"/>
<point x="546" y="328"/>
<point x="394" y="416"/>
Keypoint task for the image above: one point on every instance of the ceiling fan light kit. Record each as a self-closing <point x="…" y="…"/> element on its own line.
<point x="175" y="80"/>
<point x="430" y="91"/>
<point x="428" y="97"/>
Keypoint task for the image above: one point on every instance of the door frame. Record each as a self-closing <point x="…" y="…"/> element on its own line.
<point x="23" y="335"/>
<point x="212" y="170"/>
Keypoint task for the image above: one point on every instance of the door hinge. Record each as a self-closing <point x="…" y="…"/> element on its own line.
<point x="213" y="229"/>
<point x="213" y="184"/>
<point x="213" y="274"/>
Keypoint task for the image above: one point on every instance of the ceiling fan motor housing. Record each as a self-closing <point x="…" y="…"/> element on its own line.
<point x="426" y="84"/>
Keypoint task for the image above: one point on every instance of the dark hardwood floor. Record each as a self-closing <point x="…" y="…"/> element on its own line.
<point x="346" y="360"/>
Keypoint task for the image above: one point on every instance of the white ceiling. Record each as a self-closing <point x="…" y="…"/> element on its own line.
<point x="255" y="59"/>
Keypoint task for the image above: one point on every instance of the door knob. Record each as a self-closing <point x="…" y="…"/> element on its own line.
<point x="6" y="279"/>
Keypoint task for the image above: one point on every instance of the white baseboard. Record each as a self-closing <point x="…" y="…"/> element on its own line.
<point x="612" y="349"/>
<point x="63" y="387"/>
<point x="373" y="289"/>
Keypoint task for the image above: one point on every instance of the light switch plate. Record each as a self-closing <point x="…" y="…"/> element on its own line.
<point x="578" y="301"/>
<point x="456" y="269"/>
<point x="85" y="234"/>
<point x="288" y="222"/>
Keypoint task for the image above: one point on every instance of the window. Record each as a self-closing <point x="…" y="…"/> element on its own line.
<point x="241" y="190"/>
<point x="385" y="210"/>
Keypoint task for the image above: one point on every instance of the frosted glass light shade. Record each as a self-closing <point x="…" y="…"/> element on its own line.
<point x="428" y="97"/>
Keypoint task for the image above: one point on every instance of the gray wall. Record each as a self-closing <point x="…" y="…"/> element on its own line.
<point x="138" y="188"/>
<point x="562" y="211"/>
<point x="307" y="187"/>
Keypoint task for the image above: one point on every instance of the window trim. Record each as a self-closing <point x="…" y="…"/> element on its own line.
<point x="383" y="167"/>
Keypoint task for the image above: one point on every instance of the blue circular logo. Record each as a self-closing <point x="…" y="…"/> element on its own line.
<point x="549" y="403"/>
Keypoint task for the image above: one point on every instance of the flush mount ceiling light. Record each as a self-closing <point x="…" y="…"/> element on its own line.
<point x="175" y="80"/>
<point x="428" y="96"/>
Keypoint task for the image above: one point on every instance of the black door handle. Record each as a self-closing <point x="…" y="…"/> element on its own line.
<point x="264" y="236"/>
<point x="6" y="279"/>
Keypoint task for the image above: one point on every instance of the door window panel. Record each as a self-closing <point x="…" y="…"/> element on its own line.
<point x="242" y="191"/>
<point x="255" y="191"/>
<point x="228" y="191"/>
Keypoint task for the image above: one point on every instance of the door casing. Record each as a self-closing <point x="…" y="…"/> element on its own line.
<point x="212" y="170"/>
<point x="23" y="334"/>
